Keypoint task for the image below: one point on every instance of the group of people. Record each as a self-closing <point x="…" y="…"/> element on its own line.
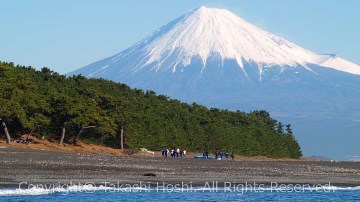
<point x="181" y="153"/>
<point x="220" y="155"/>
<point x="174" y="153"/>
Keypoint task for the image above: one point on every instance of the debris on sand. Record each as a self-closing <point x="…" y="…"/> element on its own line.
<point x="144" y="150"/>
<point x="150" y="174"/>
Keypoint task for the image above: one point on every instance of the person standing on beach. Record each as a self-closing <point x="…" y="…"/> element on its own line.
<point x="181" y="153"/>
<point x="184" y="152"/>
<point x="227" y="155"/>
<point x="172" y="152"/>
<point x="232" y="156"/>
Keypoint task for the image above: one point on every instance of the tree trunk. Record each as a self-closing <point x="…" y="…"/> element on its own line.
<point x="28" y="136"/>
<point x="78" y="135"/>
<point x="62" y="136"/>
<point x="8" y="140"/>
<point x="81" y="130"/>
<point x="121" y="138"/>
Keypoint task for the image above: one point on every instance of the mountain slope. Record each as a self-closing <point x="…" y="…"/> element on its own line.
<point x="205" y="33"/>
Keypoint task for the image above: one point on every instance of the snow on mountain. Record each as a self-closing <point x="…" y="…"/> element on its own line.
<point x="341" y="65"/>
<point x="205" y="32"/>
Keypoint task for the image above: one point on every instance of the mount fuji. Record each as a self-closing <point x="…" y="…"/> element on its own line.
<point x="215" y="58"/>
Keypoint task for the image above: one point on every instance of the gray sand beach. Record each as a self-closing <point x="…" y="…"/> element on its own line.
<point x="51" y="167"/>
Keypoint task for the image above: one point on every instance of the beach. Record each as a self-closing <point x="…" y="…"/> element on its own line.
<point x="33" y="166"/>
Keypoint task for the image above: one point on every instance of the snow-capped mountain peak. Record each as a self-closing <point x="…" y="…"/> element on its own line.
<point x="217" y="35"/>
<point x="205" y="32"/>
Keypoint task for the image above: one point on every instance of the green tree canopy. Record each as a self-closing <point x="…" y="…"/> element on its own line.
<point x="44" y="101"/>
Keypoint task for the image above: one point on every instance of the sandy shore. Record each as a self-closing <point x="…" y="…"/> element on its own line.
<point x="52" y="167"/>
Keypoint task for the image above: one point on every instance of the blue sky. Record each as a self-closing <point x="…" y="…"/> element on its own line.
<point x="66" y="34"/>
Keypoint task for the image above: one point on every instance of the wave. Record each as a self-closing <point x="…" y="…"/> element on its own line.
<point x="311" y="188"/>
<point x="93" y="188"/>
<point x="51" y="190"/>
<point x="343" y="188"/>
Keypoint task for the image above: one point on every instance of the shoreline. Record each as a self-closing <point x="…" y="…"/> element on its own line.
<point x="178" y="185"/>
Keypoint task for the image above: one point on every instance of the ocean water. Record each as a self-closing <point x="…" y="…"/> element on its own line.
<point x="77" y="194"/>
